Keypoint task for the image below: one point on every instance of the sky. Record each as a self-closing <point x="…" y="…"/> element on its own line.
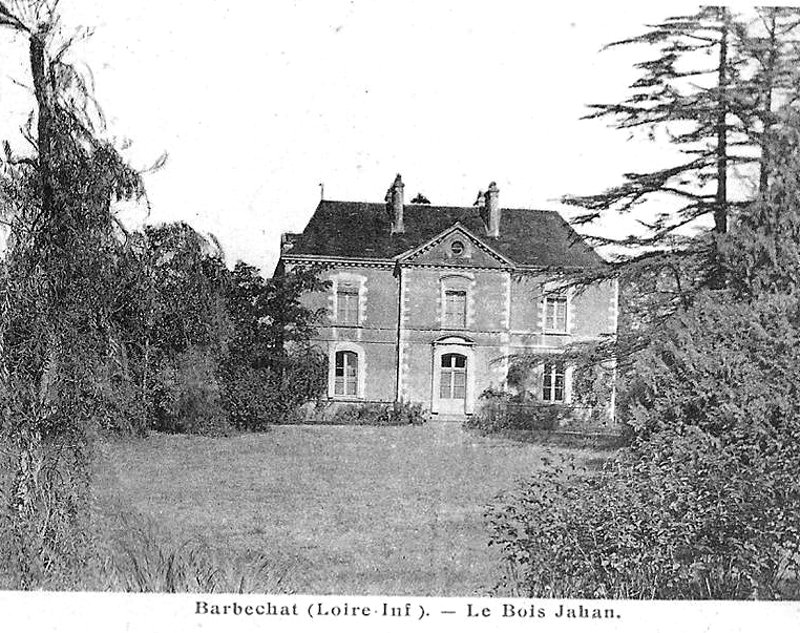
<point x="256" y="104"/>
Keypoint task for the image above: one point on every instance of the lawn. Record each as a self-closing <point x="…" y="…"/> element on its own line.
<point x="345" y="510"/>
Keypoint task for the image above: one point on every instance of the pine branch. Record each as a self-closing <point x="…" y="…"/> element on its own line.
<point x="7" y="18"/>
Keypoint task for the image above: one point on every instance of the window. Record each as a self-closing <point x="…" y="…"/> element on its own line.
<point x="457" y="248"/>
<point x="345" y="381"/>
<point x="553" y="382"/>
<point x="455" y="309"/>
<point x="347" y="304"/>
<point x="555" y="313"/>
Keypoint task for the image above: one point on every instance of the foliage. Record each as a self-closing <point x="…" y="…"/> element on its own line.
<point x="189" y="283"/>
<point x="718" y="87"/>
<point x="187" y="397"/>
<point x="255" y="399"/>
<point x="705" y="503"/>
<point x="379" y="414"/>
<point x="59" y="332"/>
<point x="269" y="315"/>
<point x="180" y="328"/>
<point x="715" y="90"/>
<point x="99" y="328"/>
<point x="44" y="513"/>
<point x="501" y="413"/>
<point x="270" y="370"/>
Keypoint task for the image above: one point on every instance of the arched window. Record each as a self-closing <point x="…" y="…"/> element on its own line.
<point x="345" y="381"/>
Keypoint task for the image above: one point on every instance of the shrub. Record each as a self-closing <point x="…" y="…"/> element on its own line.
<point x="705" y="504"/>
<point x="380" y="414"/>
<point x="248" y="399"/>
<point x="256" y="398"/>
<point x="498" y="412"/>
<point x="187" y="396"/>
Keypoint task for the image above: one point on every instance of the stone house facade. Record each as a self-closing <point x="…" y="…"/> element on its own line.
<point x="427" y="303"/>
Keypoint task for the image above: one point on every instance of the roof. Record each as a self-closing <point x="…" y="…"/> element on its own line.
<point x="356" y="230"/>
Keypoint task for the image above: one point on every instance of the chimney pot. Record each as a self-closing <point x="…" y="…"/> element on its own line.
<point x="492" y="210"/>
<point x="394" y="200"/>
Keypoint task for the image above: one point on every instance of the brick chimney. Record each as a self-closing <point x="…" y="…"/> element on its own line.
<point x="492" y="210"/>
<point x="394" y="204"/>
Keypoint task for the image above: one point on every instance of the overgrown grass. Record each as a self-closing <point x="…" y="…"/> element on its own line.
<point x="54" y="536"/>
<point x="140" y="557"/>
<point x="346" y="510"/>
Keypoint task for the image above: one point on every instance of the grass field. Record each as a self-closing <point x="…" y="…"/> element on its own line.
<point x="345" y="510"/>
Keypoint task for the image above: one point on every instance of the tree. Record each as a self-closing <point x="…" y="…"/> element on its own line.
<point x="705" y="503"/>
<point x="59" y="335"/>
<point x="714" y="91"/>
<point x="177" y="329"/>
<point x="270" y="368"/>
<point x="769" y="42"/>
<point x="420" y="199"/>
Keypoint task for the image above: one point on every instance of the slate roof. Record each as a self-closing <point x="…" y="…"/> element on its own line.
<point x="363" y="230"/>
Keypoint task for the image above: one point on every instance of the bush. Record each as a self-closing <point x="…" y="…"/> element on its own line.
<point x="498" y="412"/>
<point x="248" y="399"/>
<point x="705" y="504"/>
<point x="187" y="397"/>
<point x="379" y="414"/>
<point x="257" y="398"/>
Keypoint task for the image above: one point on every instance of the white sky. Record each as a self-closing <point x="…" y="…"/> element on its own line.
<point x="257" y="103"/>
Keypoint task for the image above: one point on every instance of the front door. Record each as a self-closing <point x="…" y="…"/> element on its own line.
<point x="453" y="384"/>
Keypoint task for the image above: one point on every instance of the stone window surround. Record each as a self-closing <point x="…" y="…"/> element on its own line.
<point x="347" y="346"/>
<point x="353" y="278"/>
<point x="453" y="345"/>
<point x="568" y="377"/>
<point x="549" y="289"/>
<point x="457" y="281"/>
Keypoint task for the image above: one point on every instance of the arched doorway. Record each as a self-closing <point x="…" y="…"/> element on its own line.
<point x="453" y="374"/>
<point x="453" y="384"/>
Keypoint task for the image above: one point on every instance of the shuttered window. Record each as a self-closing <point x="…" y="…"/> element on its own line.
<point x="347" y="308"/>
<point x="455" y="309"/>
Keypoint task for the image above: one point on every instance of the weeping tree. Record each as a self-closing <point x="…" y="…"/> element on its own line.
<point x="59" y="342"/>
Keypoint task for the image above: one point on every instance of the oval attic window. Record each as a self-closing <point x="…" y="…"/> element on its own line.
<point x="457" y="248"/>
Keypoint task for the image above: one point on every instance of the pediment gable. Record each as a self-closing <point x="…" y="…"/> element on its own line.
<point x="456" y="246"/>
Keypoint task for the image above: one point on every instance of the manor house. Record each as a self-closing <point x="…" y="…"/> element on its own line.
<point x="427" y="303"/>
